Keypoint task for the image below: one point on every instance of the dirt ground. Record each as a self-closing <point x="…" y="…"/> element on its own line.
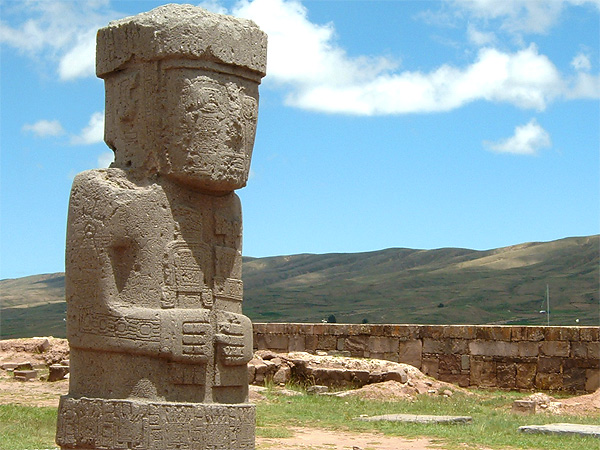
<point x="45" y="351"/>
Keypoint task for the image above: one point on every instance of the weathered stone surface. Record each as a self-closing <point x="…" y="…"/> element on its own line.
<point x="525" y="377"/>
<point x="410" y="352"/>
<point x="153" y="260"/>
<point x="524" y="406"/>
<point x="25" y="375"/>
<point x="143" y="425"/>
<point x="483" y="373"/>
<point x="506" y="375"/>
<point x="57" y="372"/>
<point x="555" y="348"/>
<point x="417" y="418"/>
<point x="563" y="428"/>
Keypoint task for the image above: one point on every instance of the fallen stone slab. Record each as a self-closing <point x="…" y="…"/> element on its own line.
<point x="417" y="418"/>
<point x="25" y="375"/>
<point x="563" y="428"/>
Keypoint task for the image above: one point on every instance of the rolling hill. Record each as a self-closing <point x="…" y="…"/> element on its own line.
<point x="396" y="285"/>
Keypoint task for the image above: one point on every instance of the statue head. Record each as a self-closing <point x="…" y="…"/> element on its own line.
<point x="182" y="94"/>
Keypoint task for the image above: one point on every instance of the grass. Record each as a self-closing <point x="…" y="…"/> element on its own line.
<point x="494" y="425"/>
<point x="27" y="427"/>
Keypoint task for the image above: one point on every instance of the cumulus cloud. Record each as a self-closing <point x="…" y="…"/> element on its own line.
<point x="319" y="75"/>
<point x="44" y="128"/>
<point x="581" y="62"/>
<point x="93" y="133"/>
<point x="527" y="139"/>
<point x="527" y="16"/>
<point x="58" y="32"/>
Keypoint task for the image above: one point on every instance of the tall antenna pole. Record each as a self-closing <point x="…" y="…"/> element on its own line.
<point x="548" y="303"/>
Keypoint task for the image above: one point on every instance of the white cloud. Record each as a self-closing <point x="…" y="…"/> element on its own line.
<point x="528" y="139"/>
<point x="213" y="6"/>
<point x="581" y="62"/>
<point x="306" y="59"/>
<point x="517" y="16"/>
<point x="304" y="53"/>
<point x="105" y="159"/>
<point x="45" y="128"/>
<point x="80" y="60"/>
<point x="480" y="38"/>
<point x="93" y="133"/>
<point x="58" y="32"/>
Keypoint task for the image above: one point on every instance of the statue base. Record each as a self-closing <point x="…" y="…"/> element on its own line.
<point x="106" y="424"/>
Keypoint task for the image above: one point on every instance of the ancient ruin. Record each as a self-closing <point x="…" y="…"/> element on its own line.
<point x="159" y="345"/>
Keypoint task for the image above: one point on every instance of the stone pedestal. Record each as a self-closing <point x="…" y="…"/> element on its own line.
<point x="94" y="423"/>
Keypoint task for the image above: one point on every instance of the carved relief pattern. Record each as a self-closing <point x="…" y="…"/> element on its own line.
<point x="119" y="326"/>
<point x="111" y="424"/>
<point x="184" y="284"/>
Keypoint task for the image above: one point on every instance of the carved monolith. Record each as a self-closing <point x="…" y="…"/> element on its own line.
<point x="159" y="345"/>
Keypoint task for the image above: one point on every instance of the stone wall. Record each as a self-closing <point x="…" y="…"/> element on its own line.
<point x="508" y="357"/>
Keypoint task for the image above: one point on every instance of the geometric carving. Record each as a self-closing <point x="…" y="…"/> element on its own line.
<point x="125" y="424"/>
<point x="119" y="326"/>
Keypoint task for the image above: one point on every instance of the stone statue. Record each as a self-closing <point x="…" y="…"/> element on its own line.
<point x="159" y="345"/>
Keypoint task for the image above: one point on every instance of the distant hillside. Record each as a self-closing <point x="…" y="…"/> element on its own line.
<point x="444" y="286"/>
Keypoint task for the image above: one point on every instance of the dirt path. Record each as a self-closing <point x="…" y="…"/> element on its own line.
<point x="317" y="439"/>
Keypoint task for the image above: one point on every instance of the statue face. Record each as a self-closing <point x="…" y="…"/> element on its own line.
<point x="209" y="124"/>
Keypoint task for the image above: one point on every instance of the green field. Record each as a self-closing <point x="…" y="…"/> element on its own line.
<point x="494" y="425"/>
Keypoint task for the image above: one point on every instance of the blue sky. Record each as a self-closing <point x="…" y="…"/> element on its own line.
<point x="420" y="124"/>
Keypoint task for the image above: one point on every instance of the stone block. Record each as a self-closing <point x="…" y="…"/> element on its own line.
<point x="57" y="372"/>
<point x="549" y="365"/>
<point x="555" y="348"/>
<point x="436" y="346"/>
<point x="549" y="381"/>
<point x="528" y="349"/>
<point x="493" y="348"/>
<point x="381" y="344"/>
<point x="579" y="349"/>
<point x="297" y="343"/>
<point x="276" y="342"/>
<point x="459" y="346"/>
<point x="460" y="379"/>
<point x="310" y="343"/>
<point x="465" y="362"/>
<point x="459" y="332"/>
<point x="524" y="406"/>
<point x="483" y="373"/>
<point x="357" y="345"/>
<point x="430" y="366"/>
<point x="525" y="375"/>
<point x="518" y="333"/>
<point x="341" y="341"/>
<point x="449" y="364"/>
<point x="589" y="333"/>
<point x="506" y="375"/>
<point x="535" y="333"/>
<point x="592" y="381"/>
<point x="593" y="350"/>
<point x="569" y="334"/>
<point x="25" y="375"/>
<point x="494" y="333"/>
<point x="432" y="331"/>
<point x="407" y="332"/>
<point x="410" y="352"/>
<point x="326" y="342"/>
<point x="574" y="379"/>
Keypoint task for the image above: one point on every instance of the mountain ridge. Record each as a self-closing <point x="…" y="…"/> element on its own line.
<point x="394" y="285"/>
